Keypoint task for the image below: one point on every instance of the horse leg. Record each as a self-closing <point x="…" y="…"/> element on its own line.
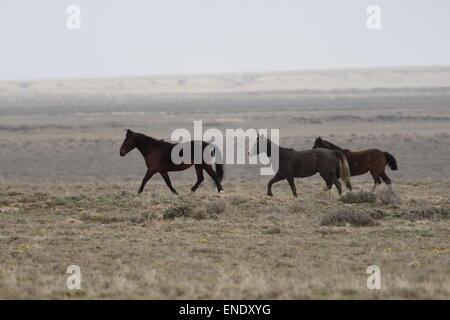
<point x="271" y="182"/>
<point x="209" y="170"/>
<point x="200" y="178"/>
<point x="329" y="183"/>
<point x="376" y="179"/>
<point x="388" y="181"/>
<point x="385" y="178"/>
<point x="338" y="185"/>
<point x="147" y="177"/>
<point x="292" y="184"/>
<point x="166" y="178"/>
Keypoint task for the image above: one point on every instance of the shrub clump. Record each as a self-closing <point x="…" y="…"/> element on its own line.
<point x="296" y="208"/>
<point x="358" y="197"/>
<point x="386" y="196"/>
<point x="142" y="218"/>
<point x="183" y="211"/>
<point x="343" y="217"/>
<point x="435" y="213"/>
<point x="133" y="219"/>
<point x="216" y="207"/>
<point x="178" y="211"/>
<point x="378" y="214"/>
<point x="273" y="230"/>
<point x="94" y="217"/>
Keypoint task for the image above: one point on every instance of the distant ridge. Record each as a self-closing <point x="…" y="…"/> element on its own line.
<point x="395" y="77"/>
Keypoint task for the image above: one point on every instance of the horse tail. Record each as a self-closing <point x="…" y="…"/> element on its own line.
<point x="344" y="169"/>
<point x="219" y="163"/>
<point x="391" y="161"/>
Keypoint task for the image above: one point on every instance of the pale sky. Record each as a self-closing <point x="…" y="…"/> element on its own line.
<point x="149" y="37"/>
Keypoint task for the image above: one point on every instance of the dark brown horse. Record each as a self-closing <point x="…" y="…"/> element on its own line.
<point x="158" y="158"/>
<point x="330" y="164"/>
<point x="361" y="162"/>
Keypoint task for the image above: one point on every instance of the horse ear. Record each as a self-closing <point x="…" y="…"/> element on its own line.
<point x="319" y="139"/>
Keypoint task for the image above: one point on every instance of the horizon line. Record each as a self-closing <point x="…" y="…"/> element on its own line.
<point x="212" y="74"/>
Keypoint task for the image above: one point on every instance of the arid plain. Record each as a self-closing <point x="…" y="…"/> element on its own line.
<point x="67" y="197"/>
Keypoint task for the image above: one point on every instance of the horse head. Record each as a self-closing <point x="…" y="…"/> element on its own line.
<point x="129" y="143"/>
<point x="261" y="145"/>
<point x="318" y="143"/>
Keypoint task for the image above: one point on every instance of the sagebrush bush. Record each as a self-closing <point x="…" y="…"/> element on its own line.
<point x="185" y="211"/>
<point x="345" y="216"/>
<point x="93" y="217"/>
<point x="358" y="197"/>
<point x="143" y="218"/>
<point x="216" y="207"/>
<point x="273" y="230"/>
<point x="378" y="214"/>
<point x="177" y="211"/>
<point x="133" y="219"/>
<point x="386" y="196"/>
<point x="434" y="213"/>
<point x="296" y="208"/>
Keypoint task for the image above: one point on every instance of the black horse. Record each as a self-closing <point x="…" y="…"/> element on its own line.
<point x="330" y="164"/>
<point x="158" y="158"/>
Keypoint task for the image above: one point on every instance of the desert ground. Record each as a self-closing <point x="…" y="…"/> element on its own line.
<point x="68" y="198"/>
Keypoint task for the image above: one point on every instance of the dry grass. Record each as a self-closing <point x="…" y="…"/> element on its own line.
<point x="241" y="244"/>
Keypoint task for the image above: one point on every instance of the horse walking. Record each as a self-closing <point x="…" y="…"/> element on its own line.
<point x="158" y="158"/>
<point x="361" y="162"/>
<point x="330" y="164"/>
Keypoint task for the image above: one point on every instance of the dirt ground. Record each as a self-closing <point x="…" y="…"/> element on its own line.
<point x="67" y="197"/>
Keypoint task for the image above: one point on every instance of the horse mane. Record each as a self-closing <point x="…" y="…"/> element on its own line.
<point x="269" y="144"/>
<point x="147" y="140"/>
<point x="333" y="145"/>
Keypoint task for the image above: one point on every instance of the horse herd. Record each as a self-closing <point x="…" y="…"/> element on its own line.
<point x="329" y="160"/>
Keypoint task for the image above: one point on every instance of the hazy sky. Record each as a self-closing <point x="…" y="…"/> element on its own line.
<point x="148" y="37"/>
